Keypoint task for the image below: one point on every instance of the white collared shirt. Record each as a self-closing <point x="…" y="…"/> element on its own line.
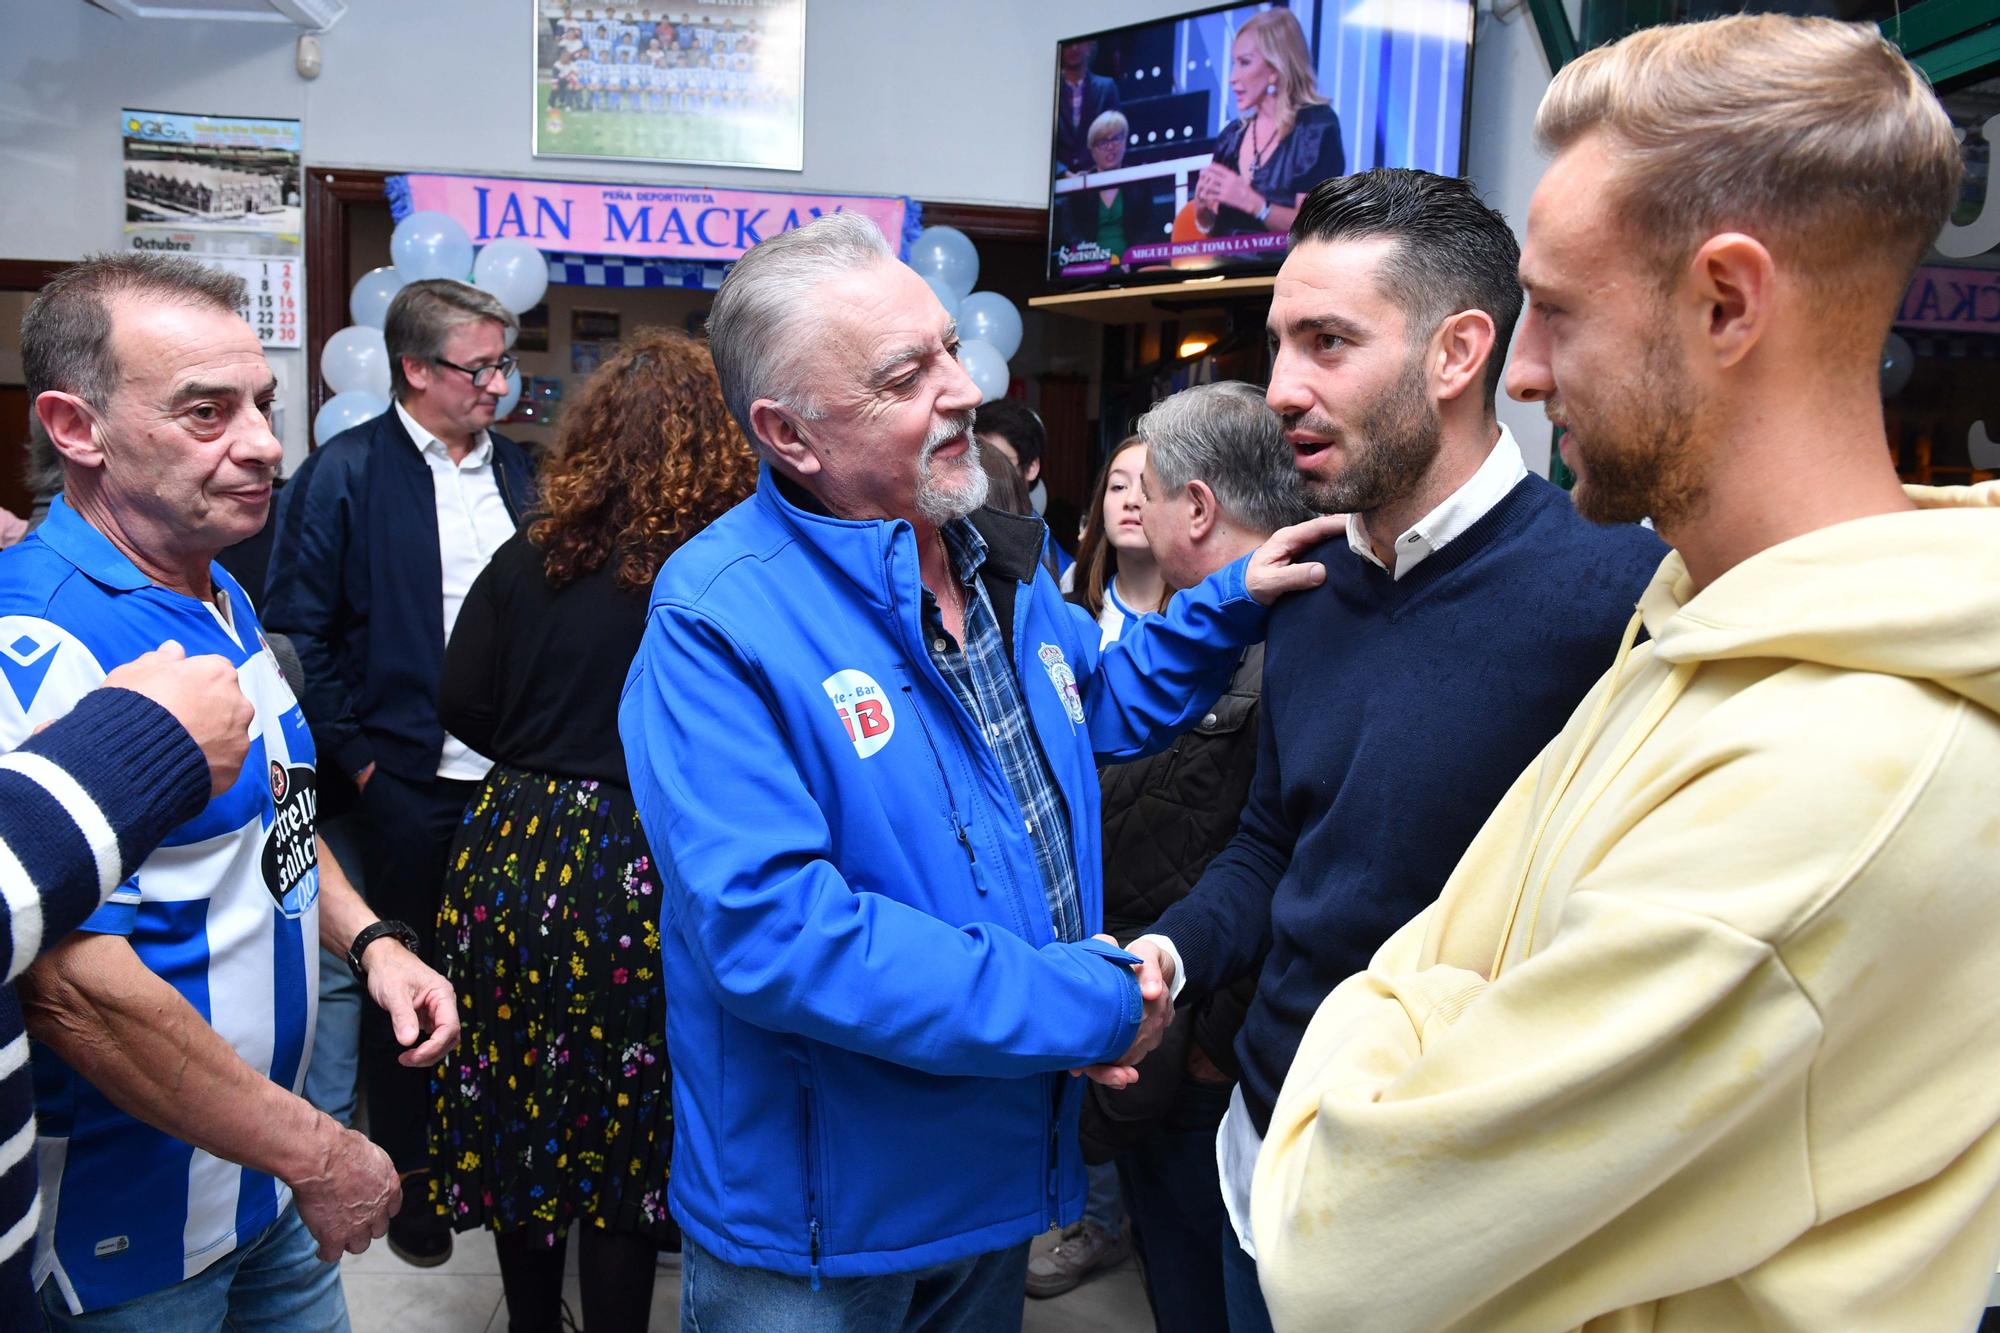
<point x="1500" y="473"/>
<point x="472" y="522"/>
<point x="1237" y="1142"/>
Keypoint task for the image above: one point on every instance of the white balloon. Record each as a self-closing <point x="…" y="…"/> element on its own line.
<point x="344" y="411"/>
<point x="356" y="360"/>
<point x="946" y="252"/>
<point x="511" y="397"/>
<point x="369" y="303"/>
<point x="513" y="272"/>
<point x="943" y="291"/>
<point x="982" y="361"/>
<point x="992" y="318"/>
<point x="431" y="245"/>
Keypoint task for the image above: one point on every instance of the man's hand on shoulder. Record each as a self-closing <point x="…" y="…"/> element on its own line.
<point x="203" y="695"/>
<point x="1156" y="988"/>
<point x="1272" y="572"/>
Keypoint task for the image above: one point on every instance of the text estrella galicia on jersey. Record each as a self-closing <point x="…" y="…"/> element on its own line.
<point x="1064" y="680"/>
<point x="864" y="709"/>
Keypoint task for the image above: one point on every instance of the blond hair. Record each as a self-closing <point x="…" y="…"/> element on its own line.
<point x="1812" y="135"/>
<point x="1283" y="43"/>
<point x="1109" y="125"/>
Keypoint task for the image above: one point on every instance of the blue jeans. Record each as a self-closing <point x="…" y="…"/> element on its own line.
<point x="983" y="1294"/>
<point x="336" y="1052"/>
<point x="275" y="1283"/>
<point x="1104" y="1204"/>
<point x="1247" y="1311"/>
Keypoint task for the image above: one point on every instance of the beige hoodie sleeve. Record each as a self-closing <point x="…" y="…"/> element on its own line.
<point x="1597" y="1128"/>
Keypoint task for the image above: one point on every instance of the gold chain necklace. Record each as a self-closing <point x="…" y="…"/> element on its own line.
<point x="951" y="582"/>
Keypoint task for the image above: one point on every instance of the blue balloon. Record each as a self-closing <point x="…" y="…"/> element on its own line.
<point x="987" y="367"/>
<point x="369" y="303"/>
<point x="942" y="290"/>
<point x="431" y="245"/>
<point x="511" y="397"/>
<point x="947" y="253"/>
<point x="513" y="272"/>
<point x="356" y="360"/>
<point x="344" y="411"/>
<point x="992" y="318"/>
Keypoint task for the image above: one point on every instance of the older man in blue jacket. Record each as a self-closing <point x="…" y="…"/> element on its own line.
<point x="861" y="732"/>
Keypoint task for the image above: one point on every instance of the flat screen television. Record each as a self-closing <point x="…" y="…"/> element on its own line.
<point x="1185" y="143"/>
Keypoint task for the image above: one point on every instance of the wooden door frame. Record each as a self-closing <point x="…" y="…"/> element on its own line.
<point x="332" y="191"/>
<point x="29" y="275"/>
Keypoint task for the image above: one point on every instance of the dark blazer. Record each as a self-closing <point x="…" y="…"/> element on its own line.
<point x="1100" y="94"/>
<point x="357" y="584"/>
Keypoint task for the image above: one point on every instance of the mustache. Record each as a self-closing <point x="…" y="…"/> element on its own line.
<point x="1309" y="421"/>
<point x="944" y="431"/>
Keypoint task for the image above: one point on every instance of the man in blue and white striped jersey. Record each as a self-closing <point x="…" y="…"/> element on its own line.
<point x="186" y="1183"/>
<point x="82" y="803"/>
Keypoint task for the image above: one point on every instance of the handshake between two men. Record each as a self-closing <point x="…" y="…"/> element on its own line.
<point x="1155" y="974"/>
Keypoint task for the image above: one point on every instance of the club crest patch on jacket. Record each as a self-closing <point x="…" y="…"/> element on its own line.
<point x="1064" y="680"/>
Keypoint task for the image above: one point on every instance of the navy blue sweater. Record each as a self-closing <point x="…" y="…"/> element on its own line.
<point x="117" y="762"/>
<point x="1396" y="714"/>
<point x="357" y="584"/>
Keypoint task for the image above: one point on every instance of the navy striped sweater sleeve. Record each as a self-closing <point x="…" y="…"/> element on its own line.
<point x="80" y="806"/>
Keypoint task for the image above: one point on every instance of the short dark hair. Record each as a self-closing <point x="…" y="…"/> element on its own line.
<point x="1453" y="252"/>
<point x="1015" y="422"/>
<point x="66" y="334"/>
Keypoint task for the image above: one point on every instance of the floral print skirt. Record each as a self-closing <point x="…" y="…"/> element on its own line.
<point x="555" y="1106"/>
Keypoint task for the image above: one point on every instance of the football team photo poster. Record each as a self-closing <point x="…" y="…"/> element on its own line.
<point x="718" y="83"/>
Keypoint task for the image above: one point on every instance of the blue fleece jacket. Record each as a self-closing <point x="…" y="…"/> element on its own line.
<point x="869" y="1015"/>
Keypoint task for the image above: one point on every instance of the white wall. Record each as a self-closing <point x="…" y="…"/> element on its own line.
<point x="937" y="99"/>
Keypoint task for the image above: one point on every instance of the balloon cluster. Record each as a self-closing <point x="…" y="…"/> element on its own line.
<point x="355" y="361"/>
<point x="989" y="327"/>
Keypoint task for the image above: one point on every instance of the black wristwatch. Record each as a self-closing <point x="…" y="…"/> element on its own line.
<point x="368" y="934"/>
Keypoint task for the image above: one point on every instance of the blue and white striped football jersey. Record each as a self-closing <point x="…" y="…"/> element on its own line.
<point x="226" y="911"/>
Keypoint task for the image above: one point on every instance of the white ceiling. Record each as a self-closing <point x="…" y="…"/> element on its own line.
<point x="312" y="15"/>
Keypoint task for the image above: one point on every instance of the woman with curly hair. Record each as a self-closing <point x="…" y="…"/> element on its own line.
<point x="555" y="1106"/>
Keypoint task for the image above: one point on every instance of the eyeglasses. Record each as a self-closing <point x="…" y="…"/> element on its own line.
<point x="483" y="377"/>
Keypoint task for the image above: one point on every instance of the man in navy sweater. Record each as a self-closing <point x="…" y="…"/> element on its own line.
<point x="1470" y="611"/>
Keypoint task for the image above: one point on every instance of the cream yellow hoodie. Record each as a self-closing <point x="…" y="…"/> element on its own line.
<point x="1704" y="1032"/>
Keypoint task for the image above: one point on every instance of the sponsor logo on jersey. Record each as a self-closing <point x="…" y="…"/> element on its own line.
<point x="291" y="858"/>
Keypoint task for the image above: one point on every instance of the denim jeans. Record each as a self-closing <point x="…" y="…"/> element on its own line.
<point x="1104" y="1203"/>
<point x="274" y="1284"/>
<point x="336" y="1049"/>
<point x="1247" y="1311"/>
<point x="983" y="1294"/>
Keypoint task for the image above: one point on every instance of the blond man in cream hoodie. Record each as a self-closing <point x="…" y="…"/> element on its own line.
<point x="1703" y="1032"/>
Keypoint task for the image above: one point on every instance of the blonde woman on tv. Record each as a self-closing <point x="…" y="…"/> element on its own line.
<point x="1285" y="139"/>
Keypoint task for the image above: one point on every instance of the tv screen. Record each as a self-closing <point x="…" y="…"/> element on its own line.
<point x="1186" y="143"/>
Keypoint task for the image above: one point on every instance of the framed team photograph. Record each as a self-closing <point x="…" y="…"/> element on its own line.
<point x="718" y="84"/>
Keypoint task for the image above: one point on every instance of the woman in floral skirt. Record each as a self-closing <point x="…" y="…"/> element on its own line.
<point x="554" y="1109"/>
